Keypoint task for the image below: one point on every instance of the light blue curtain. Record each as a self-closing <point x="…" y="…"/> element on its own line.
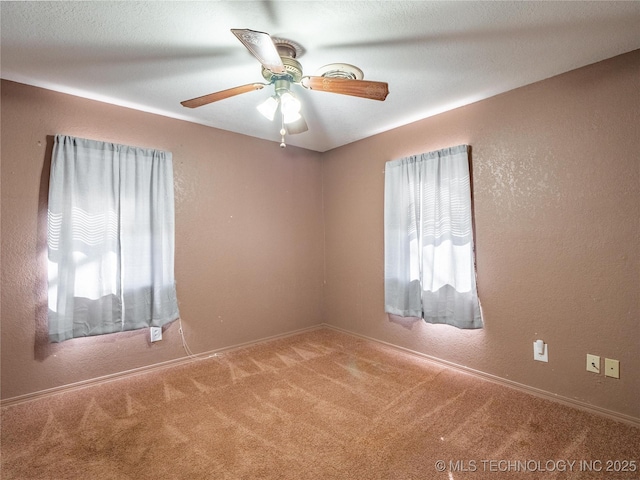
<point x="428" y="234"/>
<point x="110" y="239"/>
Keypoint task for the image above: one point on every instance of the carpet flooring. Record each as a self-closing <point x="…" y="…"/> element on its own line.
<point x="318" y="405"/>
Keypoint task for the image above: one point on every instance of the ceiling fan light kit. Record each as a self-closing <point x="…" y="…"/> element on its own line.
<point x="269" y="107"/>
<point x="281" y="69"/>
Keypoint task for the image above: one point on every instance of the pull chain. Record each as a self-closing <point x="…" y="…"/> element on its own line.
<point x="282" y="133"/>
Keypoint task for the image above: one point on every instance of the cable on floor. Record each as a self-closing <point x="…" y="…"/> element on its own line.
<point x="188" y="351"/>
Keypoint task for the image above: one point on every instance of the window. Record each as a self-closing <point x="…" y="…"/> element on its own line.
<point x="429" y="261"/>
<point x="110" y="239"/>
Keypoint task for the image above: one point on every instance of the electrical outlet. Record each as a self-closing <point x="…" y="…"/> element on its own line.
<point x="611" y="368"/>
<point x="155" y="333"/>
<point x="593" y="363"/>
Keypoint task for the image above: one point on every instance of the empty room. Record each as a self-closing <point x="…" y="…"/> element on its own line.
<point x="320" y="240"/>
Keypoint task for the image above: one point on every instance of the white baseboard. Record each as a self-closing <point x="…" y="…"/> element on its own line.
<point x="619" y="417"/>
<point x="156" y="366"/>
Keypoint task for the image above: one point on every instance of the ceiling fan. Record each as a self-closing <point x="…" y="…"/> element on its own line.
<point x="281" y="69"/>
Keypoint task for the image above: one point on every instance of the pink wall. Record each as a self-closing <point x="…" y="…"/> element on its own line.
<point x="556" y="176"/>
<point x="249" y="238"/>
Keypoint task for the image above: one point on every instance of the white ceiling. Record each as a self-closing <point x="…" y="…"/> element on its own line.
<point x="435" y="56"/>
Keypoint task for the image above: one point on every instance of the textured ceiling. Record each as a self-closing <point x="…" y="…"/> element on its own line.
<point x="435" y="56"/>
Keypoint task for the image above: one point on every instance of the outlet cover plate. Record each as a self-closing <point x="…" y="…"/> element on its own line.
<point x="155" y="333"/>
<point x="611" y="368"/>
<point x="593" y="363"/>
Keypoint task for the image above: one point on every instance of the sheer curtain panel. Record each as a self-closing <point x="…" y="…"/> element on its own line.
<point x="110" y="239"/>
<point x="428" y="235"/>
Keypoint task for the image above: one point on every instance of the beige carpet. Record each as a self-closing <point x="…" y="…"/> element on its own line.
<point x="319" y="405"/>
